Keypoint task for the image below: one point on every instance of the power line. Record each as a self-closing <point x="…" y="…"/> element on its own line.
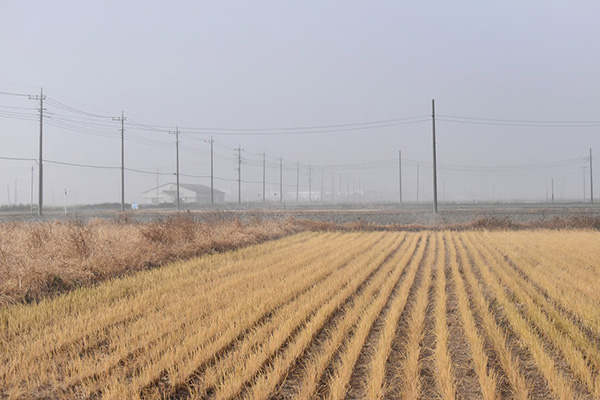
<point x="66" y="107"/>
<point x="18" y="159"/>
<point x="92" y="166"/>
<point x="256" y="132"/>
<point x="267" y="131"/>
<point x="541" y="121"/>
<point x="568" y="163"/>
<point x="14" y="94"/>
<point x="69" y="164"/>
<point x="18" y="108"/>
<point x="518" y="122"/>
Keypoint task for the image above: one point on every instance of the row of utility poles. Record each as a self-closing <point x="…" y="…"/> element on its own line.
<point x="549" y="193"/>
<point x="280" y="159"/>
<point x="239" y="150"/>
<point x="435" y="194"/>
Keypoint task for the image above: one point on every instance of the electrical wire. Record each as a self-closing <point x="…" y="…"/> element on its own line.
<point x="518" y="122"/>
<point x="66" y="107"/>
<point x="18" y="159"/>
<point x="14" y="94"/>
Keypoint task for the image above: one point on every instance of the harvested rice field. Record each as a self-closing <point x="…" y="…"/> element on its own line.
<point x="332" y="315"/>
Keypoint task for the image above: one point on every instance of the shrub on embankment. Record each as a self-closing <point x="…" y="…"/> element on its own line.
<point x="43" y="258"/>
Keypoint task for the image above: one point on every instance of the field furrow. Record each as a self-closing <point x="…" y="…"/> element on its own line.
<point x="410" y="376"/>
<point x="219" y="343"/>
<point x="307" y="372"/>
<point x="502" y="346"/>
<point x="529" y="342"/>
<point x="465" y="345"/>
<point x="318" y="305"/>
<point x="346" y="315"/>
<point x="568" y="343"/>
<point x="331" y="315"/>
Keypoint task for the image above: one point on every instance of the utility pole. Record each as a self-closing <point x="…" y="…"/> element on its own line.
<point x="591" y="180"/>
<point x="546" y="190"/>
<point x="212" y="173"/>
<point x="212" y="186"/>
<point x="435" y="198"/>
<point x="584" y="178"/>
<point x="332" y="195"/>
<point x="322" y="185"/>
<point x="31" y="201"/>
<point x="122" y="119"/>
<point x="310" y="181"/>
<point x="297" y="181"/>
<point x="176" y="133"/>
<point x="281" y="179"/>
<point x="552" y="181"/>
<point x="156" y="185"/>
<point x="16" y="194"/>
<point x="239" y="169"/>
<point x="400" y="175"/>
<point x="264" y="155"/>
<point x="348" y="188"/>
<point x="41" y="98"/>
<point x="417" y="183"/>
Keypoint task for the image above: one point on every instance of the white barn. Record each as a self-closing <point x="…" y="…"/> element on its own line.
<point x="188" y="194"/>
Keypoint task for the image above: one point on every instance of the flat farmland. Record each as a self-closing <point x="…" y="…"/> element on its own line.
<point x="377" y="315"/>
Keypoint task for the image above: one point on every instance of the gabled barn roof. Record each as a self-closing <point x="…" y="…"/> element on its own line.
<point x="199" y="189"/>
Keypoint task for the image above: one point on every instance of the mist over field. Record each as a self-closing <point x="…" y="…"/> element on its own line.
<point x="294" y="200"/>
<point x="328" y="92"/>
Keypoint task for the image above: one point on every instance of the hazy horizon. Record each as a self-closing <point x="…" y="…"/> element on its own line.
<point x="338" y="86"/>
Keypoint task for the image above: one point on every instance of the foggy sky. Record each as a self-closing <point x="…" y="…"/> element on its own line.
<point x="272" y="64"/>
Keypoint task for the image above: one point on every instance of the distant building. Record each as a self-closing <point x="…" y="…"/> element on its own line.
<point x="188" y="194"/>
<point x="315" y="195"/>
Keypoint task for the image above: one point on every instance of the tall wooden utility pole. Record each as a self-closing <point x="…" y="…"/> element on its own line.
<point x="400" y="175"/>
<point x="584" y="179"/>
<point x="332" y="195"/>
<point x="348" y="188"/>
<point x="322" y="185"/>
<point x="264" y="155"/>
<point x="31" y="201"/>
<point x="297" y="181"/>
<point x="239" y="169"/>
<point x="281" y="179"/>
<point x="435" y="198"/>
<point x="176" y="133"/>
<point x="309" y="183"/>
<point x="591" y="180"/>
<point x="417" y="183"/>
<point x="41" y="98"/>
<point x="122" y="119"/>
<point x="212" y="173"/>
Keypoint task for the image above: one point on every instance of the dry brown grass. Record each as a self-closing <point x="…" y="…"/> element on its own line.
<point x="324" y="315"/>
<point x="45" y="258"/>
<point x="41" y="259"/>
